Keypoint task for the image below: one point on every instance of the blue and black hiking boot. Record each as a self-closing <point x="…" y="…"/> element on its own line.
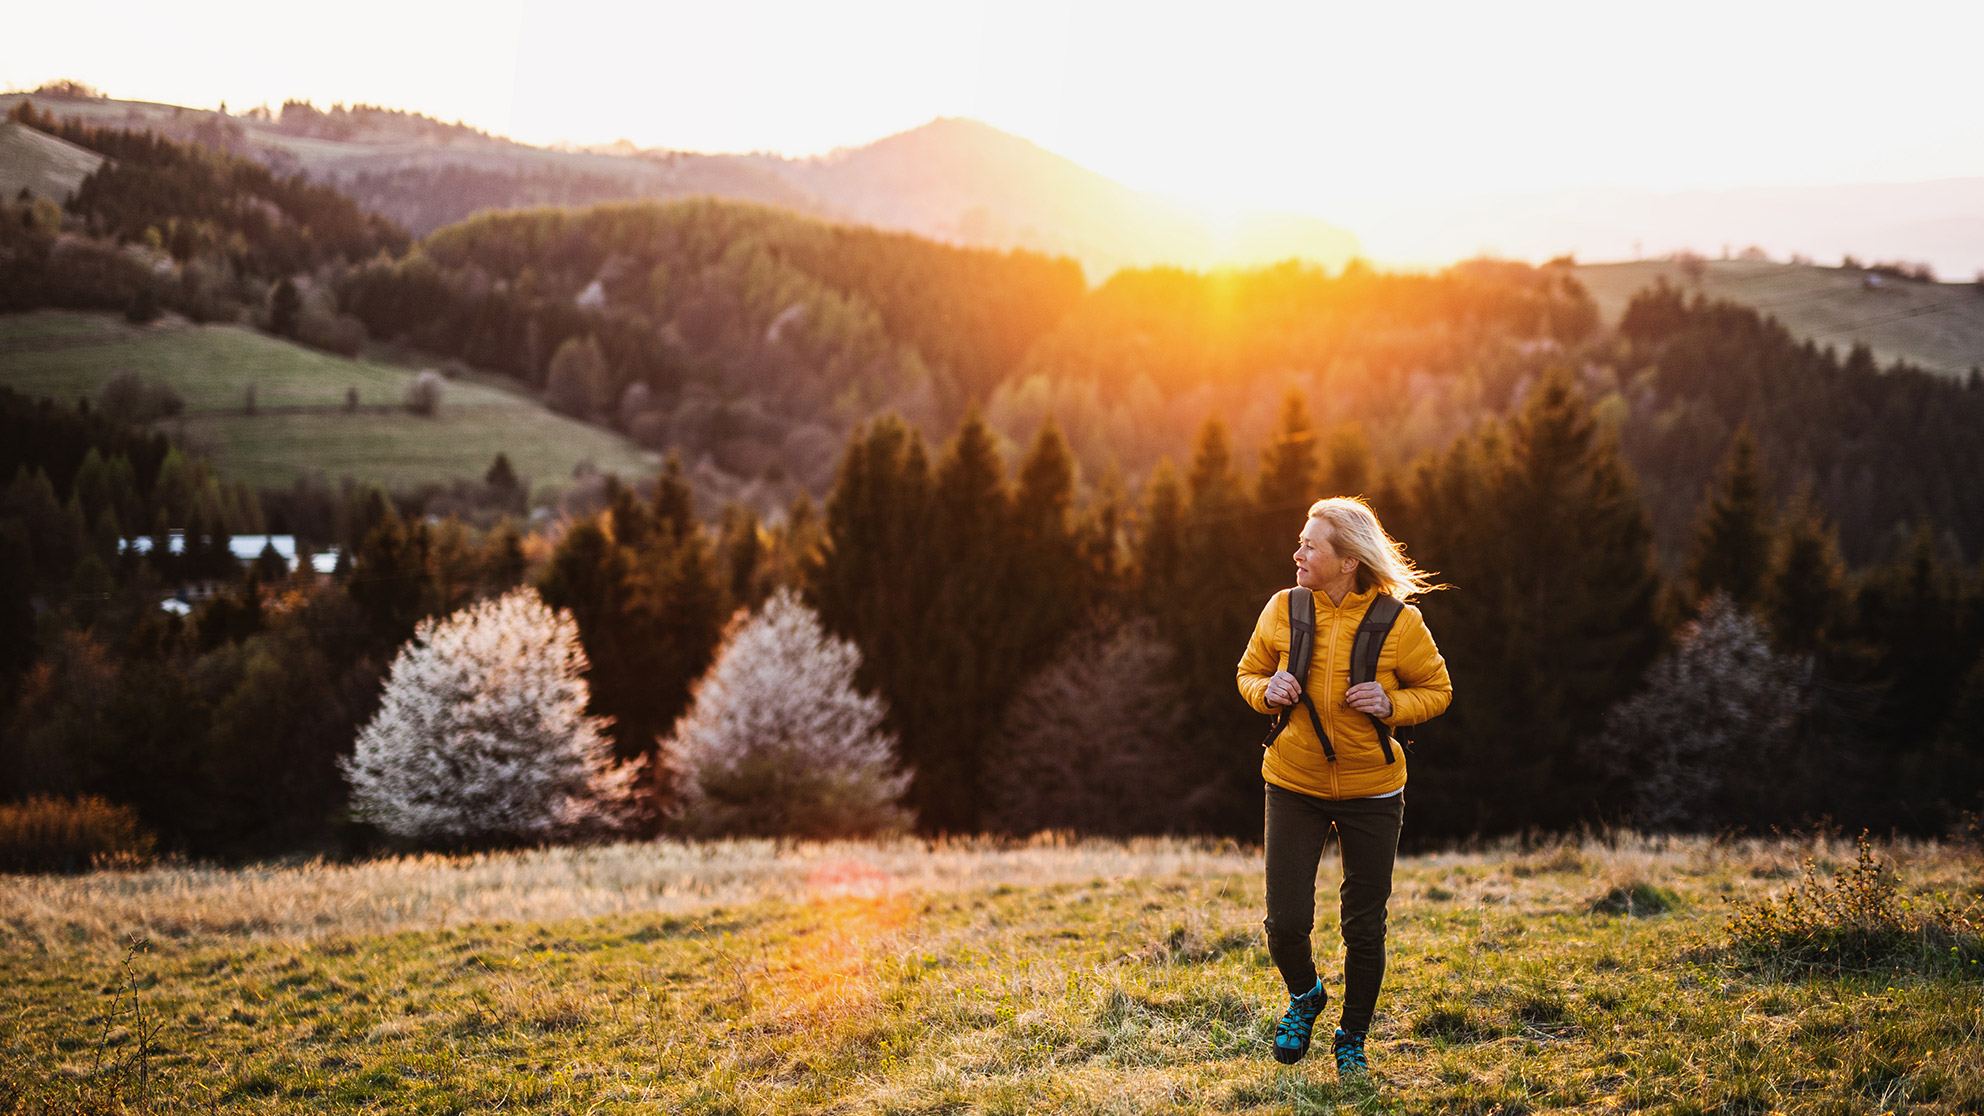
<point x="1291" y="1038"/>
<point x="1350" y="1053"/>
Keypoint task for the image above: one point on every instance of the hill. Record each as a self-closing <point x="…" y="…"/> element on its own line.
<point x="967" y="182"/>
<point x="1070" y="977"/>
<point x="1938" y="327"/>
<point x="953" y="180"/>
<point x="302" y="424"/>
<point x="41" y="164"/>
<point x="1938" y="222"/>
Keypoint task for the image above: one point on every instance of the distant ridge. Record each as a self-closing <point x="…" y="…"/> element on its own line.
<point x="965" y="181"/>
<point x="953" y="179"/>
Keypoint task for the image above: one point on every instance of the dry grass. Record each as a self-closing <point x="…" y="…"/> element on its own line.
<point x="1090" y="977"/>
<point x="306" y="901"/>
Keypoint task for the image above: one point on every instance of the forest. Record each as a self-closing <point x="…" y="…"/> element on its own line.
<point x="1004" y="477"/>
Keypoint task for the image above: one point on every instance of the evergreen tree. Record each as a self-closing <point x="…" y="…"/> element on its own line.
<point x="285" y="307"/>
<point x="389" y="580"/>
<point x="1732" y="549"/>
<point x="1805" y="598"/>
<point x="1538" y="528"/>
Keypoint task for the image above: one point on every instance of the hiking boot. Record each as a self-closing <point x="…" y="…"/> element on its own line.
<point x="1350" y="1053"/>
<point x="1291" y="1037"/>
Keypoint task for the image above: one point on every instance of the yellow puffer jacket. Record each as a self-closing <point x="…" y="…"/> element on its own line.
<point x="1410" y="669"/>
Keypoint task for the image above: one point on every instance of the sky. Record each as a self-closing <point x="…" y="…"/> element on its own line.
<point x="1316" y="107"/>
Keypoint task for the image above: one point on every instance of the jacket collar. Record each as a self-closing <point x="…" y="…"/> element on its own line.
<point x="1355" y="600"/>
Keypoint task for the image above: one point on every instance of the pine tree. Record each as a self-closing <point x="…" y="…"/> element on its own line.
<point x="1732" y="549"/>
<point x="1805" y="598"/>
<point x="778" y="741"/>
<point x="482" y="735"/>
<point x="1537" y="525"/>
<point x="389" y="580"/>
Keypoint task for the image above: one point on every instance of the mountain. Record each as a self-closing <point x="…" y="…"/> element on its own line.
<point x="963" y="181"/>
<point x="955" y="180"/>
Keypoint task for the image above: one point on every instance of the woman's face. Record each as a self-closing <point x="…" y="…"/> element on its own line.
<point x="1316" y="559"/>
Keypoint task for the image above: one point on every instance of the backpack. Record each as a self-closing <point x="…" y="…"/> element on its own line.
<point x="1377" y="624"/>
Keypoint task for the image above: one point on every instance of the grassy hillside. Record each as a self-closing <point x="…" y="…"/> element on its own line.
<point x="40" y="163"/>
<point x="1937" y="326"/>
<point x="302" y="423"/>
<point x="1099" y="977"/>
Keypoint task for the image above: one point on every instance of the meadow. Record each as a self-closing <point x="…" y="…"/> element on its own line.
<point x="1938" y="327"/>
<point x="301" y="422"/>
<point x="751" y="977"/>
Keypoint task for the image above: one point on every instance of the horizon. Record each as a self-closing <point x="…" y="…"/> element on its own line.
<point x="1496" y="95"/>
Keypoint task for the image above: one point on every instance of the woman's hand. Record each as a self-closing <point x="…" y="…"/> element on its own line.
<point x="1283" y="689"/>
<point x="1369" y="697"/>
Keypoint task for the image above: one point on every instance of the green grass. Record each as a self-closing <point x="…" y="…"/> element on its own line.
<point x="1937" y="326"/>
<point x="49" y="167"/>
<point x="300" y="395"/>
<point x="1510" y="991"/>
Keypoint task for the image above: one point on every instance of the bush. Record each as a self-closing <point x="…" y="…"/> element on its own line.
<point x="576" y="384"/>
<point x="482" y="736"/>
<point x="46" y="834"/>
<point x="1858" y="920"/>
<point x="1703" y="745"/>
<point x="130" y="397"/>
<point x="1083" y="745"/>
<point x="423" y="395"/>
<point x="777" y="742"/>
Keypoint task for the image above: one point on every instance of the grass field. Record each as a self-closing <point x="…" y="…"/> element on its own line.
<point x="747" y="978"/>
<point x="1937" y="326"/>
<point x="302" y="424"/>
<point x="41" y="164"/>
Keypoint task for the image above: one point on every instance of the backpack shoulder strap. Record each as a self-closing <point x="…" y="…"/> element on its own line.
<point x="1301" y="653"/>
<point x="1369" y="646"/>
<point x="1301" y="632"/>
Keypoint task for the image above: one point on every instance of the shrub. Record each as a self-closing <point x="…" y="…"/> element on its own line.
<point x="423" y="395"/>
<point x="46" y="834"/>
<point x="1702" y="744"/>
<point x="1636" y="898"/>
<point x="130" y="397"/>
<point x="482" y="735"/>
<point x="1858" y="920"/>
<point x="576" y="384"/>
<point x="777" y="742"/>
<point x="1083" y="743"/>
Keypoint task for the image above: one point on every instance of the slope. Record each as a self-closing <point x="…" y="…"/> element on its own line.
<point x="964" y="181"/>
<point x="1936" y="326"/>
<point x="41" y="164"/>
<point x="301" y="423"/>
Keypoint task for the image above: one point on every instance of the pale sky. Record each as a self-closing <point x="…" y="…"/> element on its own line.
<point x="1313" y="107"/>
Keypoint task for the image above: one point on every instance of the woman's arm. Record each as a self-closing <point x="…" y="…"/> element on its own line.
<point x="1424" y="690"/>
<point x="1261" y="660"/>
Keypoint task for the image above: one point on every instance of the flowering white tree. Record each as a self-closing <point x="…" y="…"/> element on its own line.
<point x="777" y="742"/>
<point x="483" y="736"/>
<point x="1706" y="739"/>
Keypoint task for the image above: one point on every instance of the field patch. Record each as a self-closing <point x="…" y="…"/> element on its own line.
<point x="303" y="420"/>
<point x="1094" y="977"/>
<point x="1936" y="326"/>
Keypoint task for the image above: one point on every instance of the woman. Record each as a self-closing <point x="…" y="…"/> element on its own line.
<point x="1354" y="784"/>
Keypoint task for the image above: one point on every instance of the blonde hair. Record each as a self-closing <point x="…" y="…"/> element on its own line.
<point x="1381" y="560"/>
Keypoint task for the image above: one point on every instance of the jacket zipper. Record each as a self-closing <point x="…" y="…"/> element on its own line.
<point x="1329" y="708"/>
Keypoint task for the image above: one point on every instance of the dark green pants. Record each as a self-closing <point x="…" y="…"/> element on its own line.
<point x="1367" y="831"/>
